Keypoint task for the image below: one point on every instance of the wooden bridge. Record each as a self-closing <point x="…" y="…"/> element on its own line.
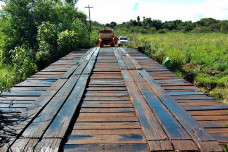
<point x="110" y="99"/>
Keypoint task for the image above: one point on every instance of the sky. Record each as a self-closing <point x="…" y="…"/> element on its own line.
<point x="106" y="11"/>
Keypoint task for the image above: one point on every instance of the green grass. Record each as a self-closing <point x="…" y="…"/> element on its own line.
<point x="202" y="58"/>
<point x="7" y="79"/>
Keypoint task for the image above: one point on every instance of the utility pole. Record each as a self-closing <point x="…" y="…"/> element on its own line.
<point x="89" y="7"/>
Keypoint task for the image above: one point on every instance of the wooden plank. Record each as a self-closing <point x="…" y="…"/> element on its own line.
<point x="225" y="118"/>
<point x="106" y="132"/>
<point x="21" y="94"/>
<point x="107" y="98"/>
<point x="160" y="145"/>
<point x="128" y="63"/>
<point x="23" y="145"/>
<point x="186" y="93"/>
<point x="184" y="145"/>
<point x="106" y="94"/>
<point x="209" y="112"/>
<point x="120" y="61"/>
<point x="114" y="105"/>
<point x="61" y="122"/>
<point x="106" y="119"/>
<point x="43" y="120"/>
<point x="48" y="145"/>
<point x="80" y="68"/>
<point x="107" y="125"/>
<point x="129" y="114"/>
<point x="216" y="107"/>
<point x="105" y="139"/>
<point x="172" y="127"/>
<point x="69" y="72"/>
<point x="102" y="88"/>
<point x="106" y="147"/>
<point x="146" y="117"/>
<point x="192" y="127"/>
<point x="107" y="110"/>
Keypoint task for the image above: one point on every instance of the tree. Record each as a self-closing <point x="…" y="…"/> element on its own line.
<point x="224" y="26"/>
<point x="138" y="20"/>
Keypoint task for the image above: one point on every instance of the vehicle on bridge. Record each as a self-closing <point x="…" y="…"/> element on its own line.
<point x="123" y="41"/>
<point x="106" y="37"/>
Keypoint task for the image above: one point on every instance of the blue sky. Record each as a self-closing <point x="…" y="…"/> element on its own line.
<point x="105" y="11"/>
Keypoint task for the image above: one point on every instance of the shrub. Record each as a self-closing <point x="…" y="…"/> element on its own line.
<point x="47" y="41"/>
<point x="67" y="42"/>
<point x="23" y="61"/>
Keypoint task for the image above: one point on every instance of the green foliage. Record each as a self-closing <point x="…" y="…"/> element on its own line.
<point x="67" y="41"/>
<point x="47" y="41"/>
<point x="23" y="61"/>
<point x="34" y="33"/>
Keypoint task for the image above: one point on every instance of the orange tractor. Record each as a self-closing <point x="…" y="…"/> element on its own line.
<point x="106" y="37"/>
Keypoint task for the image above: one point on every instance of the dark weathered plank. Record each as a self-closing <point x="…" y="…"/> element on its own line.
<point x="69" y="72"/>
<point x="43" y="120"/>
<point x="146" y="117"/>
<point x="196" y="131"/>
<point x="172" y="127"/>
<point x="61" y="122"/>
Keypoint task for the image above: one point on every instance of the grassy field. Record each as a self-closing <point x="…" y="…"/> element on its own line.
<point x="200" y="58"/>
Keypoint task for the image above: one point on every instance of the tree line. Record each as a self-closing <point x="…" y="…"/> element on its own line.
<point x="150" y="26"/>
<point x="35" y="33"/>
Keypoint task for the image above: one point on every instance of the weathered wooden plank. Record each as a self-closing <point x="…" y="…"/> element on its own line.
<point x="106" y="125"/>
<point x="128" y="63"/>
<point x="105" y="139"/>
<point x="69" y="72"/>
<point x="107" y="132"/>
<point x="21" y="94"/>
<point x="61" y="122"/>
<point x="160" y="145"/>
<point x="120" y="61"/>
<point x="106" y="147"/>
<point x="146" y="117"/>
<point x="106" y="119"/>
<point x="184" y="145"/>
<point x="102" y="88"/>
<point x="26" y="144"/>
<point x="172" y="127"/>
<point x="209" y="112"/>
<point x="215" y="107"/>
<point x="107" y="110"/>
<point x="186" y="93"/>
<point x="106" y="94"/>
<point x="48" y="145"/>
<point x="192" y="127"/>
<point x="43" y="120"/>
<point x="107" y="98"/>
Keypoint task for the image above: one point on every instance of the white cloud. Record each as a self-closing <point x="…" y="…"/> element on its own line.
<point x="217" y="9"/>
<point x="1" y="4"/>
<point x="105" y="11"/>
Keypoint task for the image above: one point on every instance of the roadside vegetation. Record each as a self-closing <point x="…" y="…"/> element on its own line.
<point x="199" y="54"/>
<point x="34" y="34"/>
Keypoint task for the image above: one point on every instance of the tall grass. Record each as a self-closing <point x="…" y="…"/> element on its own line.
<point x="6" y="77"/>
<point x="203" y="57"/>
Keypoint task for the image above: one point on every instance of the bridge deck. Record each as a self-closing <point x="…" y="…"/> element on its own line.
<point x="110" y="100"/>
